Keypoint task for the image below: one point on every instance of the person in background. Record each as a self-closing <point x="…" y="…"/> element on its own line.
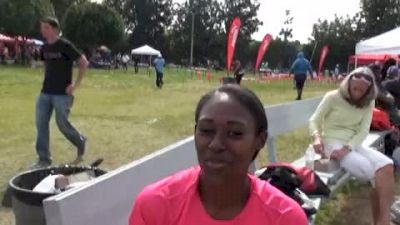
<point x="125" y="60"/>
<point x="136" y="64"/>
<point x="299" y="68"/>
<point x="58" y="91"/>
<point x="230" y="129"/>
<point x="392" y="84"/>
<point x="238" y="71"/>
<point x="6" y="53"/>
<point x="337" y="71"/>
<point x="2" y="54"/>
<point x="384" y="100"/>
<point x="159" y="64"/>
<point x="388" y="63"/>
<point x="339" y="126"/>
<point x="118" y="59"/>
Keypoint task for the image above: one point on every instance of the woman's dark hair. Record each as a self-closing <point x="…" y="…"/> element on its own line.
<point x="53" y="22"/>
<point x="245" y="97"/>
<point x="390" y="62"/>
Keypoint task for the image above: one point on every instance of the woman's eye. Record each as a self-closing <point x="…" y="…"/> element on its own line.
<point x="235" y="133"/>
<point x="206" y="131"/>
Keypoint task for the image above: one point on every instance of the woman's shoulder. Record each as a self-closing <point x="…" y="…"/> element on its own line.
<point x="172" y="186"/>
<point x="275" y="201"/>
<point x="155" y="202"/>
<point x="332" y="94"/>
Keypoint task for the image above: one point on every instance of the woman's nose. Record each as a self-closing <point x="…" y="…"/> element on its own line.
<point x="218" y="142"/>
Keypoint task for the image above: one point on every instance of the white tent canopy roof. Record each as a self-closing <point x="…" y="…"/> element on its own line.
<point x="386" y="43"/>
<point x="145" y="50"/>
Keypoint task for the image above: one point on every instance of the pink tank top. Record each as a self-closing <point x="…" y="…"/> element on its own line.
<point x="176" y="201"/>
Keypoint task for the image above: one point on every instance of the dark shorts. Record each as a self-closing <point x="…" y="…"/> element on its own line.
<point x="300" y="80"/>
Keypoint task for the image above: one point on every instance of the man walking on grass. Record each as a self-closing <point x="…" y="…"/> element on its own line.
<point x="58" y="91"/>
<point x="159" y="64"/>
<point x="300" y="68"/>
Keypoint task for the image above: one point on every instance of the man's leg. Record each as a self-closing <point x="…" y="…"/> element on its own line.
<point x="158" y="83"/>
<point x="62" y="105"/>
<point x="161" y="80"/>
<point x="300" y="86"/>
<point x="44" y="109"/>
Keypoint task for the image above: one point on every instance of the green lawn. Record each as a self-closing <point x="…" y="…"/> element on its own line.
<point x="124" y="116"/>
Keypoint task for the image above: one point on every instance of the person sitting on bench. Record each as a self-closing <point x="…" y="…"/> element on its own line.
<point x="230" y="130"/>
<point x="339" y="126"/>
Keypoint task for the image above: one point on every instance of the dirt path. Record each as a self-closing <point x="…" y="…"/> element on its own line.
<point x="354" y="206"/>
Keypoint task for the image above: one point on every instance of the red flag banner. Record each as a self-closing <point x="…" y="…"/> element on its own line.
<point x="324" y="53"/>
<point x="263" y="49"/>
<point x="233" y="35"/>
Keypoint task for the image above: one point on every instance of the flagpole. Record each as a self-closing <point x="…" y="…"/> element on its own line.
<point x="313" y="52"/>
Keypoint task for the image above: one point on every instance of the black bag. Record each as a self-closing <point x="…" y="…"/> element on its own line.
<point x="287" y="181"/>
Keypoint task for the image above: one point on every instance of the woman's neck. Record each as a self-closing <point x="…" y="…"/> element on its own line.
<point x="225" y="200"/>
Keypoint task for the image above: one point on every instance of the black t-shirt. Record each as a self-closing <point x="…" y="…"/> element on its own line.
<point x="58" y="59"/>
<point x="393" y="87"/>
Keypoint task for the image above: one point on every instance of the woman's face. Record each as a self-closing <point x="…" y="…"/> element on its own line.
<point x="358" y="87"/>
<point x="226" y="139"/>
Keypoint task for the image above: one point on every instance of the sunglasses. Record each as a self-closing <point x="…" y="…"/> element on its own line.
<point x="363" y="77"/>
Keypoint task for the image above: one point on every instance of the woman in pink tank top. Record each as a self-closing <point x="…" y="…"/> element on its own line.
<point x="231" y="128"/>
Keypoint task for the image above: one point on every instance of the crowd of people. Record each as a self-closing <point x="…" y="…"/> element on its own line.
<point x="22" y="53"/>
<point x="231" y="127"/>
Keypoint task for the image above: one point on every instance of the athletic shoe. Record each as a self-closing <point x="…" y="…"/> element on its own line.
<point x="82" y="149"/>
<point x="40" y="164"/>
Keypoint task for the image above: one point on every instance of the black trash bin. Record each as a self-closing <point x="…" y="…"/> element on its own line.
<point x="229" y="80"/>
<point x="27" y="205"/>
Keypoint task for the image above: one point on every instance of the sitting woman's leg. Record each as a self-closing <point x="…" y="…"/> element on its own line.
<point x="358" y="166"/>
<point x="384" y="182"/>
<point x="374" y="205"/>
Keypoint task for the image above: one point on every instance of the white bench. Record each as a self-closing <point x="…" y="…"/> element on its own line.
<point x="109" y="198"/>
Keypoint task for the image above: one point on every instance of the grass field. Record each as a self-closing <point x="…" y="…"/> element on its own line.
<point x="124" y="116"/>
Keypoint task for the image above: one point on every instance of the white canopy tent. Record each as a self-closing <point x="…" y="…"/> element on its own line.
<point x="386" y="43"/>
<point x="145" y="50"/>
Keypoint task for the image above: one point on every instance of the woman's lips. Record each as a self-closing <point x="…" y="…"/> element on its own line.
<point x="215" y="164"/>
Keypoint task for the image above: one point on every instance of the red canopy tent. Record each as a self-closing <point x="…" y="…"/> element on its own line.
<point x="368" y="59"/>
<point x="4" y="38"/>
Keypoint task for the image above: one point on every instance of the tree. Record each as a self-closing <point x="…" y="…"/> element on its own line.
<point x="146" y="21"/>
<point x="61" y="6"/>
<point x="127" y="9"/>
<point x="21" y="17"/>
<point x="90" y="25"/>
<point x="247" y="10"/>
<point x="341" y="34"/>
<point x="289" y="50"/>
<point x="380" y="16"/>
<point x="209" y="33"/>
<point x="287" y="30"/>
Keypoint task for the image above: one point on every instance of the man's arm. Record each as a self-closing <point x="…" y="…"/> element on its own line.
<point x="83" y="64"/>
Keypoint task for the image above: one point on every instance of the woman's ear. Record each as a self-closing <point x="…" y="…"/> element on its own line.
<point x="261" y="139"/>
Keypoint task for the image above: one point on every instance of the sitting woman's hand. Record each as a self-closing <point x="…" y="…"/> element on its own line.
<point x="339" y="154"/>
<point x="319" y="146"/>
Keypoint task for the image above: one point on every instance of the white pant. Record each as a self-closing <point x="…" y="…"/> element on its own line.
<point x="362" y="162"/>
